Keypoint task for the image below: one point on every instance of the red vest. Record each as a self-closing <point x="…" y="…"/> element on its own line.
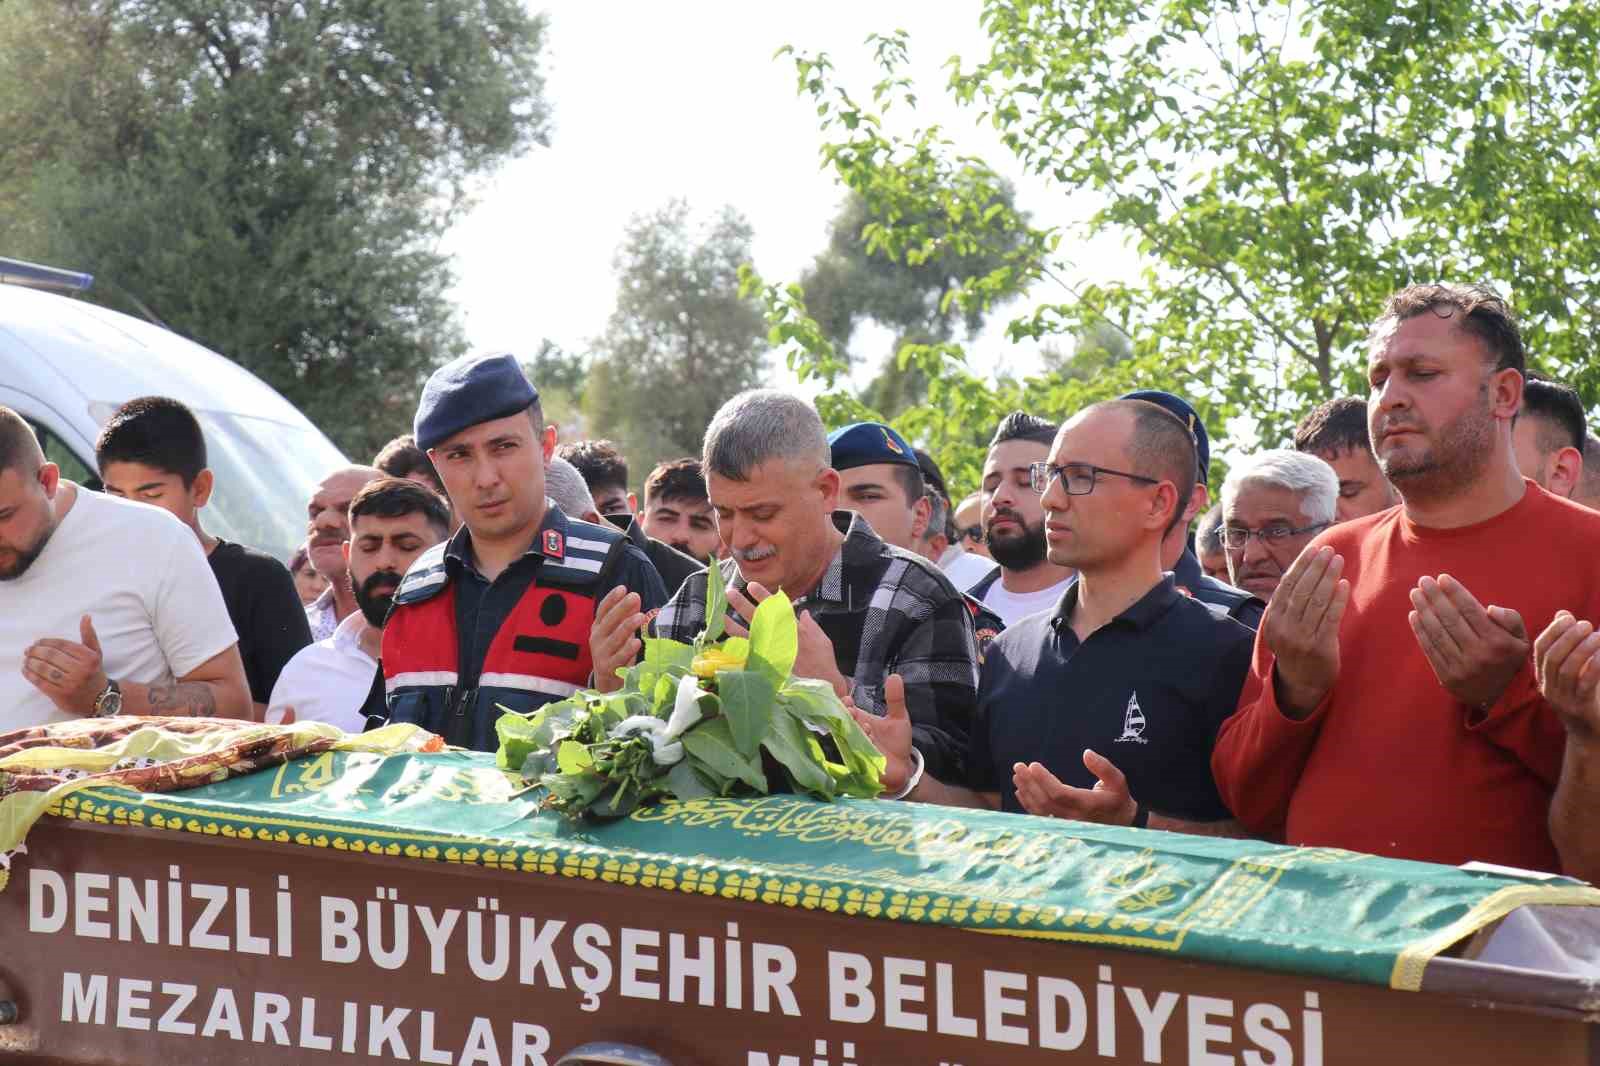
<point x="540" y="653"/>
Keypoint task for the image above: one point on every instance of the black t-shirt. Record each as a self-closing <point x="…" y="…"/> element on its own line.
<point x="266" y="612"/>
<point x="1148" y="690"/>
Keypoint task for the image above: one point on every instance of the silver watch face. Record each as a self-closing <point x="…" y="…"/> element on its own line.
<point x="109" y="705"/>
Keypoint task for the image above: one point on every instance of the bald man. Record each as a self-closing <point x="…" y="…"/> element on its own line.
<point x="327" y="528"/>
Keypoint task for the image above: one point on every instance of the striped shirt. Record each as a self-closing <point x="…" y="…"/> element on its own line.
<point x="887" y="611"/>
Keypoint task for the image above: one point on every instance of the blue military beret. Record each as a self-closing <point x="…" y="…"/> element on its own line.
<point x="469" y="390"/>
<point x="866" y="443"/>
<point x="1186" y="414"/>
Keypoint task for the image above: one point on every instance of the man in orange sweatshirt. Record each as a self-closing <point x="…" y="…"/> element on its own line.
<point x="1392" y="705"/>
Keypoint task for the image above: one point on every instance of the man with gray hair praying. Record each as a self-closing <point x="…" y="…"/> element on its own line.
<point x="1273" y="503"/>
<point x="866" y="609"/>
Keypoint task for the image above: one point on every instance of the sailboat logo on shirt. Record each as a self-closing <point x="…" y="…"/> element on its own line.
<point x="1132" y="723"/>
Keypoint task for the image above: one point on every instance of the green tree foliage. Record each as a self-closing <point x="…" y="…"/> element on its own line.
<point x="270" y="178"/>
<point x="1281" y="167"/>
<point x="559" y="375"/>
<point x="682" y="340"/>
<point x="854" y="280"/>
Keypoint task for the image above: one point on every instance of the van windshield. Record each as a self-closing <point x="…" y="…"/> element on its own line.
<point x="266" y="472"/>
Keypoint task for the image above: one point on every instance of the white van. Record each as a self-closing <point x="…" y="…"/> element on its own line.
<point x="66" y="365"/>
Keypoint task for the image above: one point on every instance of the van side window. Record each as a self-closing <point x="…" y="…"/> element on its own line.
<point x="57" y="452"/>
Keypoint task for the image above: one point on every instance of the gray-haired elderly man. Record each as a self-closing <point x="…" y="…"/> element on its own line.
<point x="866" y="609"/>
<point x="1273" y="503"/>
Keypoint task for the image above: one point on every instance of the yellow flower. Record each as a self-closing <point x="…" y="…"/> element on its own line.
<point x="708" y="662"/>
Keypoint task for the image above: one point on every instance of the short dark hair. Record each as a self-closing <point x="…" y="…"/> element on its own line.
<point x="932" y="476"/>
<point x="156" y="431"/>
<point x="600" y="463"/>
<point x="1333" y="427"/>
<point x="1559" y="409"/>
<point x="677" y="479"/>
<point x="1208" y="530"/>
<point x="1477" y="308"/>
<point x="394" y="497"/>
<point x="1161" y="447"/>
<point x="401" y="458"/>
<point x="1019" y="425"/>
<point x="19" y="448"/>
<point x="911" y="482"/>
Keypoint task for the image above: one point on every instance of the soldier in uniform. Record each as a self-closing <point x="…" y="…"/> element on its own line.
<point x="501" y="615"/>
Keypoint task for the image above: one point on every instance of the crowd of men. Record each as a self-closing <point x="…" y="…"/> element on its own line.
<point x="1382" y="638"/>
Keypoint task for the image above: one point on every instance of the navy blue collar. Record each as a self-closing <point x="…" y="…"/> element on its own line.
<point x="459" y="551"/>
<point x="1141" y="614"/>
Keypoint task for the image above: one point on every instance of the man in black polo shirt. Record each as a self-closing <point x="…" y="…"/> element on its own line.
<point x="1107" y="708"/>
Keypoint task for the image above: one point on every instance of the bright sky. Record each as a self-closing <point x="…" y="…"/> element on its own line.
<point x="653" y="101"/>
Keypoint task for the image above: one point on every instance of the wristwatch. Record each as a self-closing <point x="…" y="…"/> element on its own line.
<point x="109" y="703"/>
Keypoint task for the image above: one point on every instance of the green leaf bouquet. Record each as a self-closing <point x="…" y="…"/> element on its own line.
<point x="719" y="717"/>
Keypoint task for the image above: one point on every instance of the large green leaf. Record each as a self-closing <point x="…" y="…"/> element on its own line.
<point x="747" y="698"/>
<point x="687" y="782"/>
<point x="574" y="792"/>
<point x="774" y="638"/>
<point x="816" y="705"/>
<point x="712" y="743"/>
<point x="800" y="755"/>
<point x="662" y="653"/>
<point x="716" y="606"/>
<point x="522" y="734"/>
<point x="573" y="757"/>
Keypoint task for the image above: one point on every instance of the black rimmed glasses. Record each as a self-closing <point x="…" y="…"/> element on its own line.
<point x="1079" y="478"/>
<point x="1237" y="538"/>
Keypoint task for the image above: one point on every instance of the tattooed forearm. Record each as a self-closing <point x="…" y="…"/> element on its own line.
<point x="192" y="698"/>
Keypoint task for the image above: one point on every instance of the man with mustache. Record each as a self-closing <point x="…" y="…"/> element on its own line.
<point x="1273" y="503"/>
<point x="866" y="609"/>
<point x="1026" y="582"/>
<point x="337" y="680"/>
<point x="1393" y="705"/>
<point x="327" y="528"/>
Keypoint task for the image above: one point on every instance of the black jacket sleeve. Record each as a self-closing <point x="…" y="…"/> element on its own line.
<point x="275" y="627"/>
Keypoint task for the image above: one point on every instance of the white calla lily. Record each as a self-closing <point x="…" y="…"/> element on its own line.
<point x="686" y="710"/>
<point x="665" y="748"/>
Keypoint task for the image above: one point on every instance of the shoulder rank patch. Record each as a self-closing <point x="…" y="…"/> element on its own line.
<point x="554" y="545"/>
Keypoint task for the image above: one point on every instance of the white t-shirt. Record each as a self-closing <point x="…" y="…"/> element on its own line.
<point x="141" y="576"/>
<point x="327" y="681"/>
<point x="1012" y="607"/>
<point x="965" y="569"/>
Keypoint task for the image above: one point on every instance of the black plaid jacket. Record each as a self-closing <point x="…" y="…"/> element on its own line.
<point x="887" y="611"/>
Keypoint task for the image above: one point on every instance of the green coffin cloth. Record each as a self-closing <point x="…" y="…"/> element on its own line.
<point x="1313" y="911"/>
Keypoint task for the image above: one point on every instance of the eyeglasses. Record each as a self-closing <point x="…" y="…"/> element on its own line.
<point x="1079" y="478"/>
<point x="1236" y="538"/>
<point x="972" y="533"/>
